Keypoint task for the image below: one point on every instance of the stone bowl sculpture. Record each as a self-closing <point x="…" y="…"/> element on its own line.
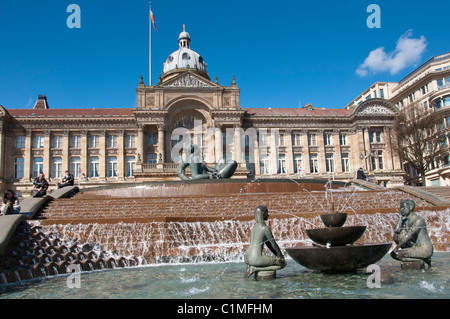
<point x="339" y="259"/>
<point x="336" y="236"/>
<point x="334" y="219"/>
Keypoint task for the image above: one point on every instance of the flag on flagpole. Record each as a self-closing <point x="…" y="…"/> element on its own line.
<point x="83" y="174"/>
<point x="152" y="18"/>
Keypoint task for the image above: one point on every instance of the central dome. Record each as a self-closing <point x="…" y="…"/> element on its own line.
<point x="184" y="57"/>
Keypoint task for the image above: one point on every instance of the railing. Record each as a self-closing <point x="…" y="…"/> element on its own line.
<point x="164" y="166"/>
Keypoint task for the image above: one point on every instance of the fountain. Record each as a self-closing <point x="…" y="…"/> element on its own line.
<point x="335" y="250"/>
<point x="197" y="221"/>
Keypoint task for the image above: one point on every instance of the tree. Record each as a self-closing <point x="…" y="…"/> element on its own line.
<point x="416" y="139"/>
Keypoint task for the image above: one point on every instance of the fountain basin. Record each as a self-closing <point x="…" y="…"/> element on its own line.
<point x="339" y="259"/>
<point x="336" y="236"/>
<point x="334" y="219"/>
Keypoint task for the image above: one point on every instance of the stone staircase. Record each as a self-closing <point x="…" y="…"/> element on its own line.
<point x="91" y="208"/>
<point x="437" y="195"/>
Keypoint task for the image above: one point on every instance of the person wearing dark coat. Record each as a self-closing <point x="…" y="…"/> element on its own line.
<point x="40" y="186"/>
<point x="66" y="181"/>
<point x="360" y="174"/>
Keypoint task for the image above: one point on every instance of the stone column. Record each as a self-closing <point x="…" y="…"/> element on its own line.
<point x="120" y="155"/>
<point x="366" y="147"/>
<point x="321" y="155"/>
<point x="161" y="143"/>
<point x="273" y="155"/>
<point x="46" y="157"/>
<point x="218" y="137"/>
<point x="65" y="150"/>
<point x="337" y="152"/>
<point x="256" y="157"/>
<point x="27" y="172"/>
<point x="388" y="152"/>
<point x="102" y="157"/>
<point x="358" y="145"/>
<point x="84" y="161"/>
<point x="238" y="152"/>
<point x="289" y="151"/>
<point x="305" y="153"/>
<point x="140" y="142"/>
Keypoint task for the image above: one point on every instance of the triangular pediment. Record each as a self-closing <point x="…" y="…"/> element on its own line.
<point x="188" y="80"/>
<point x="376" y="107"/>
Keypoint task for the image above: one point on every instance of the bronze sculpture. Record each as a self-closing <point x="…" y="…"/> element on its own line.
<point x="223" y="168"/>
<point x="411" y="236"/>
<point x="261" y="234"/>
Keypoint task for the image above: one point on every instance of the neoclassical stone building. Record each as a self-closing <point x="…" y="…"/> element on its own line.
<point x="424" y="92"/>
<point x="136" y="144"/>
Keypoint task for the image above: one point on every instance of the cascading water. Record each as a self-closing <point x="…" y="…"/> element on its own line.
<point x="100" y="230"/>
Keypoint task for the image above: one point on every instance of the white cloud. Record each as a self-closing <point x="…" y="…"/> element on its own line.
<point x="408" y="51"/>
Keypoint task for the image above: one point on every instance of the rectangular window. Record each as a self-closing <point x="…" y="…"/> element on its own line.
<point x="329" y="162"/>
<point x="312" y="139"/>
<point x="152" y="138"/>
<point x="94" y="141"/>
<point x="282" y="164"/>
<point x="280" y="140"/>
<point x="20" y="142"/>
<point x="112" y="166"/>
<point x="328" y="139"/>
<point x="265" y="165"/>
<point x="57" y="167"/>
<point x="130" y="164"/>
<point x="130" y="141"/>
<point x="345" y="162"/>
<point x="38" y="166"/>
<point x="38" y="142"/>
<point x="298" y="165"/>
<point x="296" y="139"/>
<point x="313" y="163"/>
<point x="263" y="140"/>
<point x="380" y="160"/>
<point x="375" y="136"/>
<point x="152" y="159"/>
<point x="57" y="141"/>
<point x="94" y="165"/>
<point x="75" y="166"/>
<point x="75" y="141"/>
<point x="18" y="167"/>
<point x="382" y="93"/>
<point x="343" y="139"/>
<point x="112" y="141"/>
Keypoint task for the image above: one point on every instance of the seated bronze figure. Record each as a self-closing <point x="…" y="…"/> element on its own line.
<point x="223" y="168"/>
<point x="261" y="234"/>
<point x="411" y="236"/>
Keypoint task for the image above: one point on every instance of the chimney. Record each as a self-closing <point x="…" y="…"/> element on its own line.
<point x="41" y="103"/>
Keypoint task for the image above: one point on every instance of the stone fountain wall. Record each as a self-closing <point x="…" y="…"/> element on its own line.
<point x="97" y="231"/>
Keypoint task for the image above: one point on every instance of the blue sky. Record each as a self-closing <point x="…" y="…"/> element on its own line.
<point x="282" y="53"/>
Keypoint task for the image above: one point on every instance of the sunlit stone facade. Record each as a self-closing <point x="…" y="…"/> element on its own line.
<point x="136" y="144"/>
<point x="426" y="90"/>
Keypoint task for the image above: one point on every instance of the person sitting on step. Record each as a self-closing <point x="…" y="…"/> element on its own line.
<point x="66" y="181"/>
<point x="10" y="203"/>
<point x="40" y="186"/>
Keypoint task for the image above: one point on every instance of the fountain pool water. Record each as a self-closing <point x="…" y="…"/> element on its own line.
<point x="225" y="280"/>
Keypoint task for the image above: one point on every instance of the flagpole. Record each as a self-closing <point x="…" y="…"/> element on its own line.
<point x="150" y="45"/>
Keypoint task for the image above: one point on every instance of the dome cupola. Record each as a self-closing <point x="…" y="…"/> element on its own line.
<point x="184" y="58"/>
